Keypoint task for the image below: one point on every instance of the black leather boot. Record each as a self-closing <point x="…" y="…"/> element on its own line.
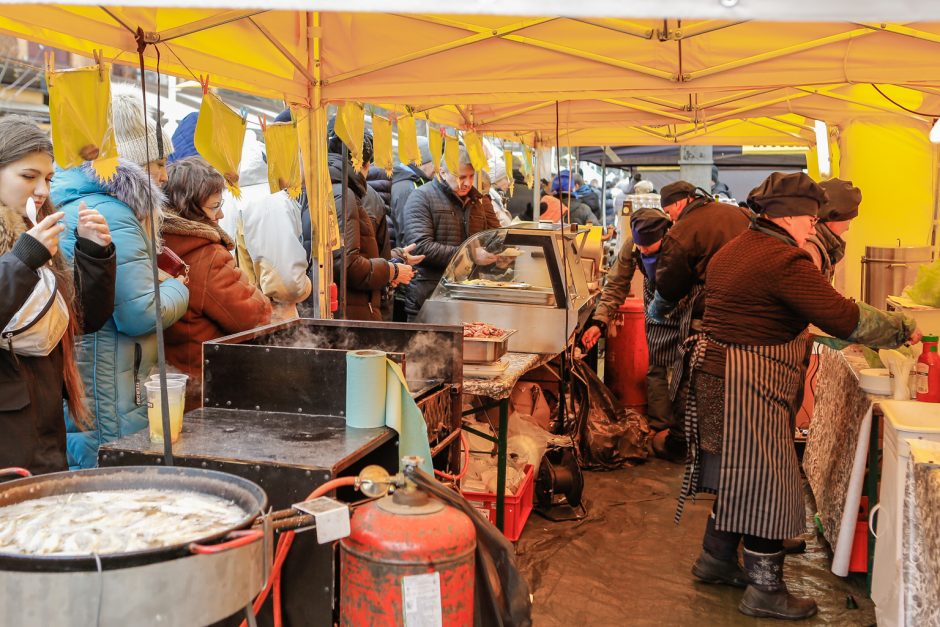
<point x="718" y="562"/>
<point x="766" y="595"/>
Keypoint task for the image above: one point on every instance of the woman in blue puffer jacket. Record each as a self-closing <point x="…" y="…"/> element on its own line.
<point x="115" y="361"/>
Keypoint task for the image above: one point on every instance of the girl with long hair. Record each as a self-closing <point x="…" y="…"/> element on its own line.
<point x="45" y="301"/>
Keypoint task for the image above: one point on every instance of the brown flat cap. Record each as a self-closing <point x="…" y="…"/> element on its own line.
<point x="844" y="199"/>
<point x="674" y="192"/>
<point x="782" y="195"/>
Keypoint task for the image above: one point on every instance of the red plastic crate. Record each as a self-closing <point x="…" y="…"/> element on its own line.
<point x="517" y="508"/>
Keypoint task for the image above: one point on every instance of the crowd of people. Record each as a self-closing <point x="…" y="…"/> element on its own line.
<point x="730" y="292"/>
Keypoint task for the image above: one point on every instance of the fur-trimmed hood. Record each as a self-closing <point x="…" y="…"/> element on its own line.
<point x="12" y="225"/>
<point x="131" y="185"/>
<point x="174" y="224"/>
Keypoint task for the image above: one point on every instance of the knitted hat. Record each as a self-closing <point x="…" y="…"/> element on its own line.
<point x="132" y="129"/>
<point x="674" y="192"/>
<point x="562" y="183"/>
<point x="782" y="195"/>
<point x="844" y="199"/>
<point x="648" y="226"/>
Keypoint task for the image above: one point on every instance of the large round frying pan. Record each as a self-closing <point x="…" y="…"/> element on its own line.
<point x="246" y="494"/>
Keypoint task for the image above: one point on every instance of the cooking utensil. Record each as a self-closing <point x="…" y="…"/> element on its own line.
<point x="485" y="349"/>
<point x="246" y="494"/>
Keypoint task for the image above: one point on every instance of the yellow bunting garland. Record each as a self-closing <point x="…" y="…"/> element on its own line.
<point x="382" y="143"/>
<point x="408" y="151"/>
<point x="220" y="133"/>
<point x="452" y="154"/>
<point x="350" y="126"/>
<point x="474" y="145"/>
<point x="283" y="155"/>
<point x="80" y="112"/>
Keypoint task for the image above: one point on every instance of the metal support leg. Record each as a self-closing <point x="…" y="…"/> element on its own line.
<point x="501" y="436"/>
<point x="871" y="488"/>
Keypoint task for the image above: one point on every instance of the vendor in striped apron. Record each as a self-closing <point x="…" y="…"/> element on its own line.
<point x="748" y="367"/>
<point x="702" y="226"/>
<point x="648" y="226"/>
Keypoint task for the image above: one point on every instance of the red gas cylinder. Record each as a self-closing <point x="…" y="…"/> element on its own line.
<point x="627" y="356"/>
<point x="412" y="547"/>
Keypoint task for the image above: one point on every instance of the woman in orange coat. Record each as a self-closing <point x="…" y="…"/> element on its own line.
<point x="222" y="301"/>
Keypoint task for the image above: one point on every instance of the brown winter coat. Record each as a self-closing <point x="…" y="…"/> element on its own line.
<point x="221" y="299"/>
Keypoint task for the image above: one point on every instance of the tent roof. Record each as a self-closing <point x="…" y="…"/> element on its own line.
<point x="618" y="81"/>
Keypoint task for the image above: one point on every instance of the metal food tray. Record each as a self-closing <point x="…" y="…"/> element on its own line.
<point x="479" y="350"/>
<point x="500" y="294"/>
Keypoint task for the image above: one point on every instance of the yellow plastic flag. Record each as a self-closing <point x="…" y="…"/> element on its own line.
<point x="436" y="144"/>
<point x="529" y="173"/>
<point x="283" y="155"/>
<point x="452" y="153"/>
<point x="350" y="127"/>
<point x="220" y="133"/>
<point x="408" y="141"/>
<point x="382" y="143"/>
<point x="475" y="148"/>
<point x="507" y="159"/>
<point x="80" y="112"/>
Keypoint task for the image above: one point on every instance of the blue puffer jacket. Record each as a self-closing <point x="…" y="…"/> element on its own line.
<point x="125" y="348"/>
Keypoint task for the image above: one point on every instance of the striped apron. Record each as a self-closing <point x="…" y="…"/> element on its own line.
<point x="662" y="338"/>
<point x="682" y="314"/>
<point x="759" y="488"/>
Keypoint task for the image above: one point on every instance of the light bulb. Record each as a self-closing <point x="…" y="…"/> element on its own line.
<point x="935" y="132"/>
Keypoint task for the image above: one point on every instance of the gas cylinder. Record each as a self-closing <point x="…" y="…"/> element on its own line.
<point x="407" y="554"/>
<point x="627" y="357"/>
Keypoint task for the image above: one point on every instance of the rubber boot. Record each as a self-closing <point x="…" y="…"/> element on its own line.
<point x="718" y="562"/>
<point x="794" y="546"/>
<point x="766" y="595"/>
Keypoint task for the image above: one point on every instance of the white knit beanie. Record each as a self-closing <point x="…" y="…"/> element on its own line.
<point x="127" y="112"/>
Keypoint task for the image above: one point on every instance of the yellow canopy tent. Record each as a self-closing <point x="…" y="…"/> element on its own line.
<point x="615" y="79"/>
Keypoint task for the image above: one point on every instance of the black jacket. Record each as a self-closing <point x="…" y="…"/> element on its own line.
<point x="520" y="203"/>
<point x="702" y="229"/>
<point x="32" y="389"/>
<point x="366" y="271"/>
<point x="405" y="179"/>
<point x="438" y="222"/>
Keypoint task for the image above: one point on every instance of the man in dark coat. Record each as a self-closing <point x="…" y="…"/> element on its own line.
<point x="406" y="178"/>
<point x="367" y="272"/>
<point x="702" y="226"/>
<point x="438" y="218"/>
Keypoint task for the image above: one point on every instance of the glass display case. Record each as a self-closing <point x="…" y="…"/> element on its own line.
<point x="527" y="277"/>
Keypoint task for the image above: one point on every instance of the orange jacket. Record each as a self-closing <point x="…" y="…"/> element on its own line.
<point x="221" y="299"/>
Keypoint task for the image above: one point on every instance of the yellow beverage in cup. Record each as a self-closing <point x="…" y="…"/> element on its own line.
<point x="176" y="396"/>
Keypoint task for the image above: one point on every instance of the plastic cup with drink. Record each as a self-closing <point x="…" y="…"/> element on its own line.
<point x="176" y="398"/>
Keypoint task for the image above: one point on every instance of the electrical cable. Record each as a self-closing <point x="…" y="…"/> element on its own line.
<point x="900" y="106"/>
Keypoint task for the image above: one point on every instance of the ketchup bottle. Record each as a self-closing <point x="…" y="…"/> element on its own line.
<point x="928" y="371"/>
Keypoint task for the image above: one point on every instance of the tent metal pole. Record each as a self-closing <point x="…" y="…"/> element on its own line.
<point x="319" y="216"/>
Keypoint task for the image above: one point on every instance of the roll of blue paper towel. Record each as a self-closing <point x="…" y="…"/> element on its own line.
<point x="365" y="389"/>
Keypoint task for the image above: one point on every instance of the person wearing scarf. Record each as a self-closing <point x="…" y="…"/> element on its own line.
<point x="748" y="367"/>
<point x="826" y="246"/>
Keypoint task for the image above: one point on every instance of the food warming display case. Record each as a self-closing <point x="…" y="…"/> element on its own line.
<point x="528" y="277"/>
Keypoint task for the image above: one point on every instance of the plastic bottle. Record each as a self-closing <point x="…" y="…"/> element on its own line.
<point x="928" y="371"/>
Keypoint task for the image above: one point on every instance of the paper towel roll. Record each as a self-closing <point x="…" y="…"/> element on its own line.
<point x="365" y="389"/>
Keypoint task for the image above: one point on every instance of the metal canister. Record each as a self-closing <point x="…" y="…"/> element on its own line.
<point x="887" y="270"/>
<point x="407" y="553"/>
